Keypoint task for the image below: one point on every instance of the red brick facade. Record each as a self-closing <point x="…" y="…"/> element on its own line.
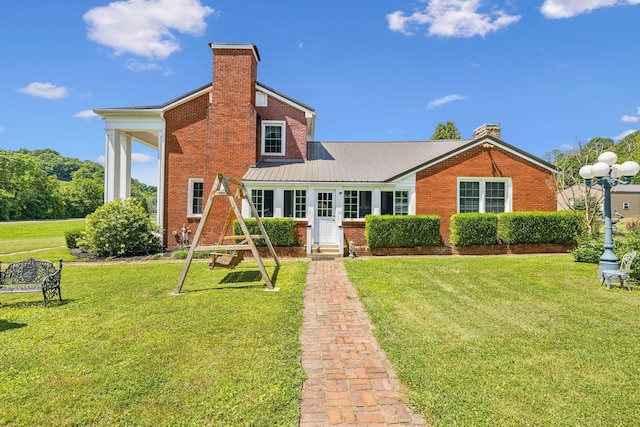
<point x="220" y="132"/>
<point x="437" y="186"/>
<point x="296" y="137"/>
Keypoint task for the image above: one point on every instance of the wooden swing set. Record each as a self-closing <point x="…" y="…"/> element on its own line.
<point x="229" y="255"/>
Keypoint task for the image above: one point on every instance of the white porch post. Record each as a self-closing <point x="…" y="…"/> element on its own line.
<point x="124" y="167"/>
<point x="161" y="180"/>
<point x="111" y="165"/>
<point x="310" y="231"/>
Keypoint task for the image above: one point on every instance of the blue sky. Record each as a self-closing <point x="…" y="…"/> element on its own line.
<point x="552" y="73"/>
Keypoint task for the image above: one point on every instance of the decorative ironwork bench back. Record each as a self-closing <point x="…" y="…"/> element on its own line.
<point x="32" y="275"/>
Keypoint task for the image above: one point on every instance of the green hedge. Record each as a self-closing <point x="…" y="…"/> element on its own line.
<point x="539" y="227"/>
<point x="474" y="229"/>
<point x="402" y="231"/>
<point x="281" y="231"/>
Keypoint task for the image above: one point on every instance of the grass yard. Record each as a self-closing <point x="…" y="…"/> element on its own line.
<point x="44" y="239"/>
<point x="506" y="341"/>
<point x="120" y="350"/>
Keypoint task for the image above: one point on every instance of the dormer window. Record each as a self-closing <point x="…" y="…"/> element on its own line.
<point x="273" y="137"/>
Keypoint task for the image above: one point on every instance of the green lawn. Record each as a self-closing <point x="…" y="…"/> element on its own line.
<point x="506" y="341"/>
<point x="121" y="350"/>
<point x="44" y="238"/>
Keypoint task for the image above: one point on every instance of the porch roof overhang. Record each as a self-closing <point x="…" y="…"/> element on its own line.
<point x="144" y="124"/>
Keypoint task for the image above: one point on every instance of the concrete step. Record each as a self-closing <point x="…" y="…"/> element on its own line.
<point x="325" y="251"/>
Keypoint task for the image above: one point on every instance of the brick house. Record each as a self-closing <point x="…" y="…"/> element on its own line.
<point x="240" y="127"/>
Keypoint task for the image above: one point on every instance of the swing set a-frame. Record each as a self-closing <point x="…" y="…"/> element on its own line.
<point x="229" y="255"/>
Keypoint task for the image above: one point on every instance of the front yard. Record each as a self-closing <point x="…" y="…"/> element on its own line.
<point x="121" y="350"/>
<point x="508" y="341"/>
<point x="478" y="341"/>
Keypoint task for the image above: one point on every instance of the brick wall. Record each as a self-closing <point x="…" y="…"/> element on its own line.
<point x="184" y="159"/>
<point x="296" y="137"/>
<point x="206" y="139"/>
<point x="437" y="187"/>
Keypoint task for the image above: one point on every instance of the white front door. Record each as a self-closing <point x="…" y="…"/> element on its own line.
<point x="325" y="217"/>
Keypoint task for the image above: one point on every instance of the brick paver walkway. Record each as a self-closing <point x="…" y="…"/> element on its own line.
<point x="349" y="379"/>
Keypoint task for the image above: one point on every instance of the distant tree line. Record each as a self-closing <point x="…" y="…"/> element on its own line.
<point x="42" y="184"/>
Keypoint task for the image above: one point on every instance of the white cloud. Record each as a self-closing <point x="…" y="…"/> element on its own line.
<point x="557" y="9"/>
<point x="138" y="66"/>
<point x="102" y="160"/>
<point x="567" y="147"/>
<point x="85" y="114"/>
<point x="44" y="90"/>
<point x="629" y="119"/>
<point x="452" y="18"/>
<point x="145" y="27"/>
<point x="142" y="158"/>
<point x="444" y="100"/>
<point x="623" y="134"/>
<point x="2" y="128"/>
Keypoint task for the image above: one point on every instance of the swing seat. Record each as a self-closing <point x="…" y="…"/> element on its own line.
<point x="226" y="259"/>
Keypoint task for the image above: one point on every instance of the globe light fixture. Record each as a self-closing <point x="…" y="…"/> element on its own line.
<point x="607" y="174"/>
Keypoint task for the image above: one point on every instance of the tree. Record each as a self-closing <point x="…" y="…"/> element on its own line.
<point x="446" y="131"/>
<point x="25" y="190"/>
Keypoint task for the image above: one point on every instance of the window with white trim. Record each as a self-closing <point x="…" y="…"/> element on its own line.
<point x="263" y="202"/>
<point x="196" y="197"/>
<point x="357" y="204"/>
<point x="273" y="137"/>
<point x="483" y="195"/>
<point x="261" y="99"/>
<point x="295" y="203"/>
<point x="394" y="202"/>
<point x="625" y="205"/>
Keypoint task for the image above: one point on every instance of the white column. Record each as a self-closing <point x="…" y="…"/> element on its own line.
<point x="160" y="185"/>
<point x="111" y="165"/>
<point x="124" y="166"/>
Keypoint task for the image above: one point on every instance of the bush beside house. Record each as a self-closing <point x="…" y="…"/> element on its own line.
<point x="402" y="231"/>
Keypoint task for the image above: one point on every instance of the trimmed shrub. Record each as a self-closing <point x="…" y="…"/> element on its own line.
<point x="539" y="227"/>
<point x="281" y="231"/>
<point x="402" y="231"/>
<point x="474" y="229"/>
<point x="589" y="251"/>
<point x="121" y="228"/>
<point x="72" y="237"/>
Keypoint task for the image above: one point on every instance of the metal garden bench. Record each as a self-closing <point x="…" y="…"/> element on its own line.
<point x="32" y="275"/>
<point x="622" y="273"/>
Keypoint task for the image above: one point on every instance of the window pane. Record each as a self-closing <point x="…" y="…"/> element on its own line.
<point x="386" y="202"/>
<point x="256" y="199"/>
<point x="350" y="204"/>
<point x="469" y="196"/>
<point x="288" y="203"/>
<point x="301" y="203"/>
<point x="196" y="201"/>
<point x="268" y="203"/>
<point x="273" y="139"/>
<point x="325" y="204"/>
<point x="365" y="203"/>
<point x="402" y="203"/>
<point x="494" y="197"/>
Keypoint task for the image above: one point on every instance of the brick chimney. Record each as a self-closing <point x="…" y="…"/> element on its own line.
<point x="231" y="142"/>
<point x="488" y="129"/>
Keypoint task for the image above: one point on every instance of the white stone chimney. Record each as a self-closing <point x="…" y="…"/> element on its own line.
<point x="488" y="129"/>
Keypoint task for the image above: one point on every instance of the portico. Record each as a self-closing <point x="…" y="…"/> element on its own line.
<point x="122" y="127"/>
